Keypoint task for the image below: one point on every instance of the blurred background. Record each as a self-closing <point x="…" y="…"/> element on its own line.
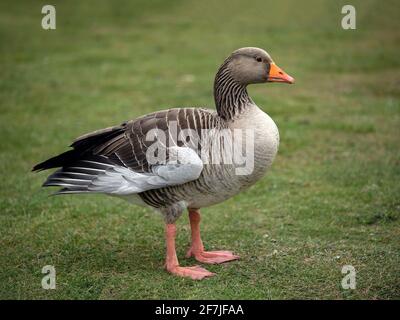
<point x="330" y="199"/>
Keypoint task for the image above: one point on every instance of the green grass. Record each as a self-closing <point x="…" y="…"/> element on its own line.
<point x="331" y="198"/>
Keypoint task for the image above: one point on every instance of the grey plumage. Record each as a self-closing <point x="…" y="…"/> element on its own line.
<point x="111" y="160"/>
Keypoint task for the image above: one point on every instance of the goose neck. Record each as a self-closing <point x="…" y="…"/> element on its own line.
<point x="231" y="97"/>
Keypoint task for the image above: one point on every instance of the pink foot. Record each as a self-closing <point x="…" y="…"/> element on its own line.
<point x="212" y="257"/>
<point x="195" y="272"/>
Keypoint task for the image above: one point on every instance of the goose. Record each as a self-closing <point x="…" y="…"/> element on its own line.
<point x="171" y="160"/>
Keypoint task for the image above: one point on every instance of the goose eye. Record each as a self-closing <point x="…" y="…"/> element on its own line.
<point x="258" y="59"/>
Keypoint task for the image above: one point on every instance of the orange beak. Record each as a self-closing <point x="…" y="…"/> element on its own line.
<point x="276" y="74"/>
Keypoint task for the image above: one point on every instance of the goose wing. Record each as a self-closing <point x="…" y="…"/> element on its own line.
<point x="115" y="160"/>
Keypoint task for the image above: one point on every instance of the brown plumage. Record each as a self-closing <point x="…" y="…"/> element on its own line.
<point x="115" y="160"/>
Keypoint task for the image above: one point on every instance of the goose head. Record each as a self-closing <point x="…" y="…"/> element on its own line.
<point x="253" y="65"/>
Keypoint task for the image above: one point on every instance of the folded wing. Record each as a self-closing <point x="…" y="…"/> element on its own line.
<point x="114" y="160"/>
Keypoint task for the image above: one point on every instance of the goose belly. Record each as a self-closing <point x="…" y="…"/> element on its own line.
<point x="220" y="182"/>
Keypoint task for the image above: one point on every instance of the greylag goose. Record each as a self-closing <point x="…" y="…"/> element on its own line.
<point x="181" y="158"/>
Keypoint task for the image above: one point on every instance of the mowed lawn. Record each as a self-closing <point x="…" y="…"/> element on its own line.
<point x="332" y="197"/>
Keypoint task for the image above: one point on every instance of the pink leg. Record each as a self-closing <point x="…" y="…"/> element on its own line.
<point x="197" y="248"/>
<point x="172" y="264"/>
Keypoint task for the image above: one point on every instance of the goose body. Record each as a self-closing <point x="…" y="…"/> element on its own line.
<point x="182" y="157"/>
<point x="219" y="182"/>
